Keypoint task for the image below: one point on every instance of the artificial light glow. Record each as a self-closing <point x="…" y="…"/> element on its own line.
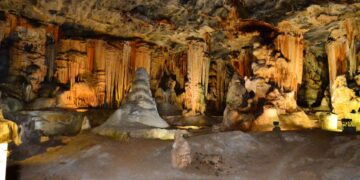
<point x="81" y="110"/>
<point x="330" y="123"/>
<point x="3" y="157"/>
<point x="189" y="127"/>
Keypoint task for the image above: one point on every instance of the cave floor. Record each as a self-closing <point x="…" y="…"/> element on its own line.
<point x="231" y="155"/>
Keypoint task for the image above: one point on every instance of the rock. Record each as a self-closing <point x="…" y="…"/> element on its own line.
<point x="181" y="152"/>
<point x="10" y="104"/>
<point x="236" y="92"/>
<point x="138" y="112"/>
<point x="56" y="122"/>
<point x="80" y="95"/>
<point x="238" y="113"/>
<point x="343" y="99"/>
<point x="85" y="124"/>
<point x="284" y="103"/>
<point x="43" y="103"/>
<point x="8" y="131"/>
<point x="258" y="86"/>
<point x="297" y="120"/>
<point x="265" y="121"/>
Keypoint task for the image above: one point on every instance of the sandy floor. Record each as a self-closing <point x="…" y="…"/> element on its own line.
<point x="231" y="155"/>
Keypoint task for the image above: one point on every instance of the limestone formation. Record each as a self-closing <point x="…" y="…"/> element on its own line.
<point x="343" y="99"/>
<point x="8" y="131"/>
<point x="139" y="110"/>
<point x="181" y="152"/>
<point x="239" y="111"/>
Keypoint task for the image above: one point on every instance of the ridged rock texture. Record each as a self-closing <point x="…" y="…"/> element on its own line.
<point x="139" y="111"/>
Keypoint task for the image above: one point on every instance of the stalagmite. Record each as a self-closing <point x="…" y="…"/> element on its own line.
<point x="181" y="152"/>
<point x="238" y="113"/>
<point x="139" y="110"/>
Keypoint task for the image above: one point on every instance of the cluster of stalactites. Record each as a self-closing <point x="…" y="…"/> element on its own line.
<point x="341" y="51"/>
<point x="291" y="47"/>
<point x="198" y="76"/>
<point x="112" y="67"/>
<point x="107" y="63"/>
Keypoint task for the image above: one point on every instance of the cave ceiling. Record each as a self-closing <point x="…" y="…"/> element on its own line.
<point x="227" y="24"/>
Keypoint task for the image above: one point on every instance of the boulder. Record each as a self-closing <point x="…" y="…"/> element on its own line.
<point x="343" y="99"/>
<point x="55" y="122"/>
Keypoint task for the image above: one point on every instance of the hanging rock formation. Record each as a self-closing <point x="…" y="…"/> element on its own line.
<point x="198" y="75"/>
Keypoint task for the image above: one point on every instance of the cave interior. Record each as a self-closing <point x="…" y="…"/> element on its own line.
<point x="216" y="85"/>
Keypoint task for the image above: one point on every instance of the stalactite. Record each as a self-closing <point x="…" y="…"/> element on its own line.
<point x="123" y="77"/>
<point x="51" y="46"/>
<point x="12" y="19"/>
<point x="197" y="76"/>
<point x="177" y="64"/>
<point x="291" y="48"/>
<point x="216" y="94"/>
<point x="54" y="31"/>
<point x="27" y="54"/>
<point x="336" y="52"/>
<point x="158" y="58"/>
<point x="112" y="69"/>
<point x="141" y="56"/>
<point x="351" y="27"/>
<point x="90" y="52"/>
<point x="99" y="65"/>
<point x="110" y="74"/>
<point x="50" y="59"/>
<point x="242" y="63"/>
<point x="341" y="51"/>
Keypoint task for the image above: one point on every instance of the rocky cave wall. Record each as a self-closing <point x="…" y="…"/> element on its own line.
<point x="57" y="57"/>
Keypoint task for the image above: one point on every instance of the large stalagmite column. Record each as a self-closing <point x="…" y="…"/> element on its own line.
<point x="198" y="74"/>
